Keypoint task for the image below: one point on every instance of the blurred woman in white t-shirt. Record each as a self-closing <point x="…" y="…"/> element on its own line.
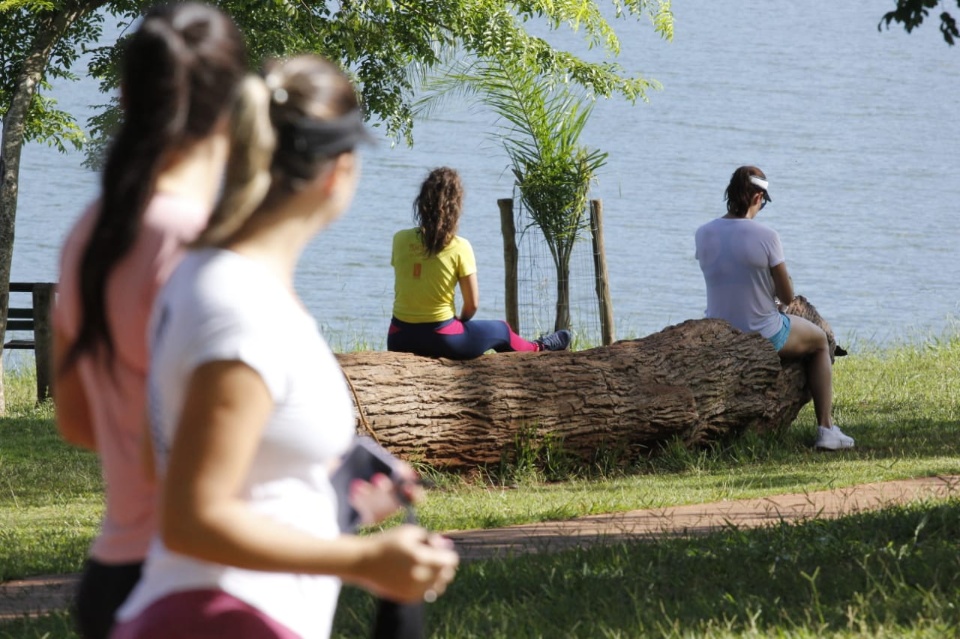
<point x="248" y="406"/>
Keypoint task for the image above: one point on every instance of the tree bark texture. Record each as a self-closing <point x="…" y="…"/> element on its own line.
<point x="697" y="381"/>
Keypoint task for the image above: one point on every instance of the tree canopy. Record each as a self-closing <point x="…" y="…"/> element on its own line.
<point x="384" y="44"/>
<point x="912" y="13"/>
<point x="378" y="41"/>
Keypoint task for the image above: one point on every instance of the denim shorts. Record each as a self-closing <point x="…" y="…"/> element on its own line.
<point x="780" y="338"/>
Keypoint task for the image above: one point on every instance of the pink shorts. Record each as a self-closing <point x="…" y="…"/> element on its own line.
<point x="201" y="614"/>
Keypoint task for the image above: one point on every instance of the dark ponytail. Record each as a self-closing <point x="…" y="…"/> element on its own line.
<point x="180" y="71"/>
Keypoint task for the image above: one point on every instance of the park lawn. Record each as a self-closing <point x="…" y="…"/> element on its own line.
<point x="902" y="405"/>
<point x="892" y="573"/>
<point x="862" y="576"/>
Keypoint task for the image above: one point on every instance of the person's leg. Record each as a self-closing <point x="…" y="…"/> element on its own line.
<point x="102" y="590"/>
<point x="479" y="336"/>
<point x="394" y="338"/>
<point x="458" y="340"/>
<point x="419" y="339"/>
<point x="468" y="340"/>
<point x="513" y="343"/>
<point x="806" y="339"/>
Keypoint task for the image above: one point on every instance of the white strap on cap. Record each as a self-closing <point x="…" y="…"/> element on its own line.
<point x="763" y="184"/>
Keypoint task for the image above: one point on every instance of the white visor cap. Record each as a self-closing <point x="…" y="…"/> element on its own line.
<point x="763" y="184"/>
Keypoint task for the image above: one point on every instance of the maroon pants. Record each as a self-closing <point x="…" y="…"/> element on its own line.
<point x="201" y="614"/>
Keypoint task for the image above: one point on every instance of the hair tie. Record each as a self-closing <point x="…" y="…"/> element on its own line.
<point x="278" y="95"/>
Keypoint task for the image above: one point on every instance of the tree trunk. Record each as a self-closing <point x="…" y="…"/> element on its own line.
<point x="562" y="318"/>
<point x="561" y="255"/>
<point x="49" y="31"/>
<point x="697" y="381"/>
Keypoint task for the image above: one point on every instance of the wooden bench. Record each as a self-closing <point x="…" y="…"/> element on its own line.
<point x="34" y="318"/>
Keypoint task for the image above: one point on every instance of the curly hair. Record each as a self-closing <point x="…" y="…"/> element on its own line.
<point x="741" y="190"/>
<point x="437" y="209"/>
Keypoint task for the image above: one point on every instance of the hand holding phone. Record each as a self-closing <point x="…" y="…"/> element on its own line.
<point x="370" y="483"/>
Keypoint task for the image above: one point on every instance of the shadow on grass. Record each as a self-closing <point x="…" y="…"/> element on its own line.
<point x="913" y="438"/>
<point x="57" y="625"/>
<point x="896" y="571"/>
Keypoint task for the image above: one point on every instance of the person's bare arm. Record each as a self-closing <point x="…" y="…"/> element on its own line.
<point x="782" y="284"/>
<point x="70" y="398"/>
<point x="470" y="290"/>
<point x="226" y="409"/>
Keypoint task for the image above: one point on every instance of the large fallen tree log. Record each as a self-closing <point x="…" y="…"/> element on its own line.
<point x="697" y="381"/>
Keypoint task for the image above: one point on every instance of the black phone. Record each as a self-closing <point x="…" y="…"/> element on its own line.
<point x="365" y="459"/>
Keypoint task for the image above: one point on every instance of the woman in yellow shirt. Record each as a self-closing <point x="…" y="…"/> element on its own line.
<point x="429" y="262"/>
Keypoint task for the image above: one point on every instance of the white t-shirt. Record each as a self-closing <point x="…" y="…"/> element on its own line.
<point x="736" y="256"/>
<point x="221" y="306"/>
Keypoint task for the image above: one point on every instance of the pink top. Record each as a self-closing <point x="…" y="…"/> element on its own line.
<point x="117" y="397"/>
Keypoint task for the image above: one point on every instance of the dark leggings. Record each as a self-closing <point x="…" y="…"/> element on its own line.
<point x="454" y="339"/>
<point x="103" y="588"/>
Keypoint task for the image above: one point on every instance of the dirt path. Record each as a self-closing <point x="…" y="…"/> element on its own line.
<point x="37" y="595"/>
<point x="699" y="518"/>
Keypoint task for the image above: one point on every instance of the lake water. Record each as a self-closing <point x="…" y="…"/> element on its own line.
<point x="856" y="130"/>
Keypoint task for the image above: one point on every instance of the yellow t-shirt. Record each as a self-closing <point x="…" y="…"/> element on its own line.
<point x="424" y="287"/>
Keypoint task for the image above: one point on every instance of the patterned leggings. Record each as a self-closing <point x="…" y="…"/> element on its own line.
<point x="454" y="339"/>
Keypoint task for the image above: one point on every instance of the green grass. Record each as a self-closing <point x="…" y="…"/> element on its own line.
<point x="54" y="626"/>
<point x="50" y="493"/>
<point x="894" y="573"/>
<point x="901" y="405"/>
<point x="884" y="574"/>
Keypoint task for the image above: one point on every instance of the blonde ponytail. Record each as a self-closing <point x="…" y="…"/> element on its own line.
<point x="247" y="179"/>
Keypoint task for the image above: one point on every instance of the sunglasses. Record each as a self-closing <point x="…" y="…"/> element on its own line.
<point x="766" y="198"/>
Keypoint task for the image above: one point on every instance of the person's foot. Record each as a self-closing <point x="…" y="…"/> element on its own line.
<point x="832" y="438"/>
<point x="559" y="341"/>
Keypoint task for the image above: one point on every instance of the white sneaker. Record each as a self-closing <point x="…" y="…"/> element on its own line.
<point x="832" y="438"/>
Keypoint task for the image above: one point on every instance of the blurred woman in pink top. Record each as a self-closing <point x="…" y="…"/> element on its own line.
<point x="162" y="174"/>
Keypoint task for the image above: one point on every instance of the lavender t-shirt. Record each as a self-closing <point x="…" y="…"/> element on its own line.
<point x="736" y="255"/>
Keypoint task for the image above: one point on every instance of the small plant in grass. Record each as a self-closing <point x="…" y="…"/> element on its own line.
<point x="749" y="447"/>
<point x="541" y="457"/>
<point x="611" y="460"/>
<point x="522" y="462"/>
